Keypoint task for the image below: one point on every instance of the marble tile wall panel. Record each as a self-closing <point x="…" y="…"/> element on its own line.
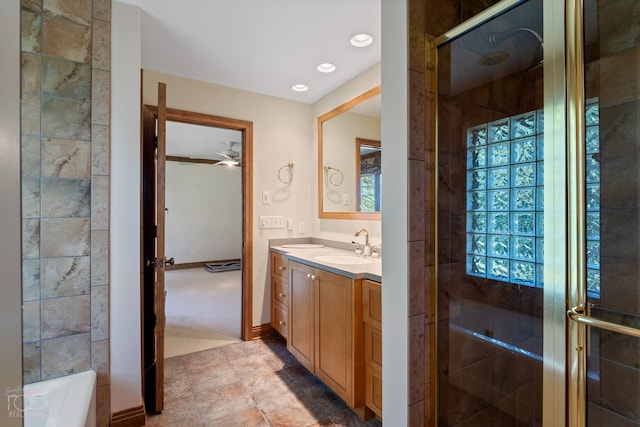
<point x="65" y="237"/>
<point x="31" y="362"/>
<point x="99" y="257"/>
<point x="31" y="322"/>
<point x="30" y="238"/>
<point x="30" y="115"/>
<point x="30" y="279"/>
<point x="101" y="90"/>
<point x="73" y="10"/>
<point x="65" y="355"/>
<point x="62" y="44"/>
<point x="30" y="153"/>
<point x="66" y="40"/>
<point x="31" y="31"/>
<point x="66" y="198"/>
<point x="64" y="158"/>
<point x="100" y="205"/>
<point x="102" y="9"/>
<point x="30" y="197"/>
<point x="62" y="277"/>
<point x="99" y="313"/>
<point x="64" y="118"/>
<point x="32" y="5"/>
<point x="100" y="150"/>
<point x="66" y="79"/>
<point x="66" y="316"/>
<point x="30" y="73"/>
<point x="101" y="48"/>
<point x="100" y="361"/>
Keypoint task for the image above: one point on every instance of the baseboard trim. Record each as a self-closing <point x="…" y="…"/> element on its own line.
<point x="262" y="331"/>
<point x="198" y="264"/>
<point x="131" y="417"/>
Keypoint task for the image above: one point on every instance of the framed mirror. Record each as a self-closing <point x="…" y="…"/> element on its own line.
<point x="349" y="159"/>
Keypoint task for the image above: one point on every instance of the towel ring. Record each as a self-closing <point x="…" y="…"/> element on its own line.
<point x="334" y="178"/>
<point x="285" y="173"/>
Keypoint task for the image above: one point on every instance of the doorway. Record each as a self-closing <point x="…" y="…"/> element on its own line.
<point x="538" y="213"/>
<point x="153" y="228"/>
<point x="203" y="233"/>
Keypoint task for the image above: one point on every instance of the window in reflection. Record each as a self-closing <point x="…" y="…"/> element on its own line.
<point x="369" y="171"/>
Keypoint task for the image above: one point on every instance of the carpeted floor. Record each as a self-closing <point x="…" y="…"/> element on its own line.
<point x="203" y="310"/>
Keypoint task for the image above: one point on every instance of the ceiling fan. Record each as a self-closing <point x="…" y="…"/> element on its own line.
<point x="230" y="157"/>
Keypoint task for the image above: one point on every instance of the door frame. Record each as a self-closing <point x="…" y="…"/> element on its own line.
<point x="246" y="127"/>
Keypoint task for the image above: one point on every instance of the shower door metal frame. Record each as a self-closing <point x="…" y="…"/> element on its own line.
<point x="561" y="392"/>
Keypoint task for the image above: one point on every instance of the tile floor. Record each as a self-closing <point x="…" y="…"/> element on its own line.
<point x="253" y="383"/>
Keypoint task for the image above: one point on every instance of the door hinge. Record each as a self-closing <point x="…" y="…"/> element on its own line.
<point x="155" y="320"/>
<point x="155" y="142"/>
<point x="155" y="231"/>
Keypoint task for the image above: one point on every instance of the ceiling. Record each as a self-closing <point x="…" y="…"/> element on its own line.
<point x="262" y="46"/>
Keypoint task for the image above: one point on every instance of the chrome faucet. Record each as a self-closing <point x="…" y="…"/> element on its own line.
<point x="367" y="248"/>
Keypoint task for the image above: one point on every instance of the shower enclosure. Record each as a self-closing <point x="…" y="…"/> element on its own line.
<point x="538" y="226"/>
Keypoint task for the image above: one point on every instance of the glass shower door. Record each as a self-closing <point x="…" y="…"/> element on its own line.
<point x="607" y="303"/>
<point x="490" y="221"/>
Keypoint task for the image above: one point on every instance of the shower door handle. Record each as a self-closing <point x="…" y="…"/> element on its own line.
<point x="577" y="315"/>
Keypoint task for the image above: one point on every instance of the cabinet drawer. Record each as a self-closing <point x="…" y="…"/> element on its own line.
<point x="279" y="319"/>
<point x="279" y="290"/>
<point x="372" y="303"/>
<point x="278" y="263"/>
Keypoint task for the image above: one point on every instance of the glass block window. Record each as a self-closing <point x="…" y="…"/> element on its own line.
<point x="592" y="196"/>
<point x="504" y="227"/>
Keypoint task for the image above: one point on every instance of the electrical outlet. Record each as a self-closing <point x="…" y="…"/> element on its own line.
<point x="290" y="224"/>
<point x="301" y="227"/>
<point x="345" y="199"/>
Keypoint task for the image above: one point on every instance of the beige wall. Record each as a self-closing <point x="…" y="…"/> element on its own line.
<point x="281" y="130"/>
<point x="10" y="315"/>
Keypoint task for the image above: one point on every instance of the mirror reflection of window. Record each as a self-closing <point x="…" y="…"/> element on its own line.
<point x="369" y="170"/>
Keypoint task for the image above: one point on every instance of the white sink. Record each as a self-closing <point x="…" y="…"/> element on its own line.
<point x="344" y="259"/>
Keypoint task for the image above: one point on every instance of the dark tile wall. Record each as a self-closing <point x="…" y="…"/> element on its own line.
<point x="427" y="20"/>
<point x="65" y="187"/>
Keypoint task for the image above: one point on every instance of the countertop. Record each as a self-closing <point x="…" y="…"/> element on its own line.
<point x="307" y="256"/>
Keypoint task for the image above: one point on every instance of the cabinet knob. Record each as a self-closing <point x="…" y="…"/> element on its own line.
<point x="281" y="267"/>
<point x="281" y="295"/>
<point x="281" y="322"/>
<point x="313" y="277"/>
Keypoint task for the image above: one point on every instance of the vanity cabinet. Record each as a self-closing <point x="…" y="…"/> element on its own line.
<point x="326" y="332"/>
<point x="279" y="292"/>
<point x="372" y="318"/>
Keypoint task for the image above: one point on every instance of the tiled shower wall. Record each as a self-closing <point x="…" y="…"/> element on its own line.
<point x="65" y="190"/>
<point x="427" y="20"/>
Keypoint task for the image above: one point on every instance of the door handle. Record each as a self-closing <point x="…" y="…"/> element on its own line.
<point x="170" y="261"/>
<point x="577" y="315"/>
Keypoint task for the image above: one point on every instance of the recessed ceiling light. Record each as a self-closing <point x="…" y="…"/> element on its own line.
<point x="300" y="88"/>
<point x="326" y="67"/>
<point x="361" y="40"/>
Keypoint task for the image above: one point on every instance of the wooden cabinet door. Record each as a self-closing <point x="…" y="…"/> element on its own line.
<point x="301" y="309"/>
<point x="334" y="333"/>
